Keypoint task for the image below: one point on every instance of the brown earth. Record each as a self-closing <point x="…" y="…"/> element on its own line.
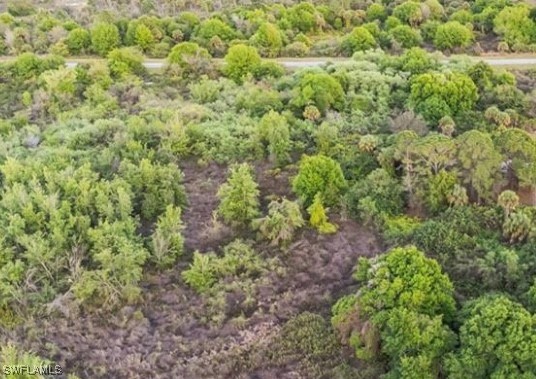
<point x="176" y="333"/>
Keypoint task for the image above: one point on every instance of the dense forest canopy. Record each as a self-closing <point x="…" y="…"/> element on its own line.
<point x="289" y="29"/>
<point x="371" y="218"/>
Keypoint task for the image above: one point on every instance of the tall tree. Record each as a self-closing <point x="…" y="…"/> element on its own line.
<point x="478" y="161"/>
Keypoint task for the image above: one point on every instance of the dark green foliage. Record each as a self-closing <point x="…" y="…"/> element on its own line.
<point x="384" y="191"/>
<point x="308" y="339"/>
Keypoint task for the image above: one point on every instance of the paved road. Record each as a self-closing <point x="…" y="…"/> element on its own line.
<point x="315" y="62"/>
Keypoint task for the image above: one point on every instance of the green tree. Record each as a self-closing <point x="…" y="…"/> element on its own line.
<point x="359" y="39"/>
<point x="404" y="278"/>
<point x="144" y="37"/>
<point x="400" y="309"/>
<point x="435" y="94"/>
<point x="190" y="58"/>
<point x="211" y="28"/>
<point x="519" y="147"/>
<point x="514" y="24"/>
<point x="104" y="38"/>
<point x="240" y="61"/>
<point x="78" y="41"/>
<point x="274" y="129"/>
<point x="239" y="196"/>
<point x="319" y="174"/>
<point x="409" y="12"/>
<point x="451" y="35"/>
<point x="268" y="39"/>
<point x="406" y="36"/>
<point x="479" y="161"/>
<point x="125" y="61"/>
<point x="497" y="340"/>
<point x="319" y="89"/>
<point x="376" y="11"/>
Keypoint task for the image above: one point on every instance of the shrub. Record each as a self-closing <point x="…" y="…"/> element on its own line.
<point x="283" y="219"/>
<point x="359" y="39"/>
<point x="319" y="175"/>
<point x="167" y="240"/>
<point x="190" y="58"/>
<point x="78" y="41"/>
<point x="239" y="196"/>
<point x="104" y="38"/>
<point x="240" y="61"/>
<point x="126" y="61"/>
<point x="214" y="27"/>
<point x="318" y="217"/>
<point x="452" y="34"/>
<point x="296" y="49"/>
<point x="201" y="274"/>
<point x="268" y="39"/>
<point x="318" y="89"/>
<point x="273" y="128"/>
<point x="406" y="36"/>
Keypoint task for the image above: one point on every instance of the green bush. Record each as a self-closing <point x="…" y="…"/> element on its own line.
<point x="167" y="240"/>
<point x="126" y="61"/>
<point x="406" y="36"/>
<point x="283" y="219"/>
<point x="78" y="41"/>
<point x="319" y="89"/>
<point x="239" y="196"/>
<point x="451" y="35"/>
<point x="190" y="58"/>
<point x="322" y="175"/>
<point x="359" y="39"/>
<point x="201" y="274"/>
<point x="104" y="38"/>
<point x="240" y="61"/>
<point x="268" y="39"/>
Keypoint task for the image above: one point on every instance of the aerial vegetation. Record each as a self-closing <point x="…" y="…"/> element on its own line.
<point x="227" y="216"/>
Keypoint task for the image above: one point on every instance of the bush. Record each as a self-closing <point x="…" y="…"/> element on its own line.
<point x="240" y="61"/>
<point x="167" y="240"/>
<point x="319" y="175"/>
<point x="273" y="129"/>
<point x="318" y="217"/>
<point x="201" y="274"/>
<point x="318" y="89"/>
<point x="268" y="39"/>
<point x="296" y="49"/>
<point x="406" y="36"/>
<point x="239" y="196"/>
<point x="104" y="38"/>
<point x="190" y="58"/>
<point x="214" y="27"/>
<point x="283" y="219"/>
<point x="78" y="41"/>
<point x="126" y="61"/>
<point x="451" y="35"/>
<point x="359" y="39"/>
